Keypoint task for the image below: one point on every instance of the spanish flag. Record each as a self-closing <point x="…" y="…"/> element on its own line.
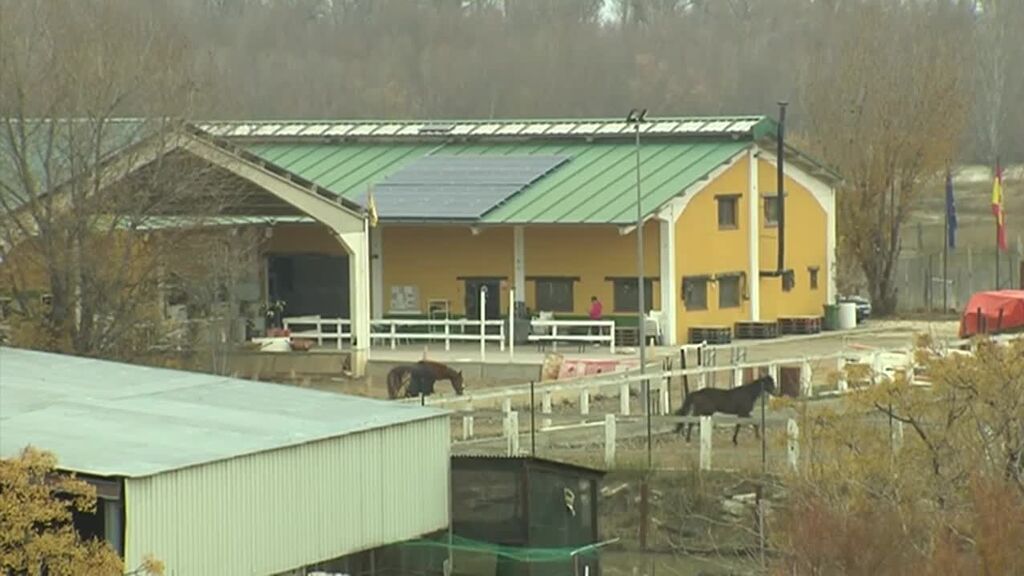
<point x="997" y="208"/>
<point x="371" y="206"/>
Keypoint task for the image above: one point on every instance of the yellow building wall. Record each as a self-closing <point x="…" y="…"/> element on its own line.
<point x="435" y="259"/>
<point x="806" y="246"/>
<point x="303" y="239"/>
<point x="702" y="249"/>
<point x="593" y="254"/>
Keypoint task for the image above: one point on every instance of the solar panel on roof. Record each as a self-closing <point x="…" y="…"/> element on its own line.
<point x="457" y="187"/>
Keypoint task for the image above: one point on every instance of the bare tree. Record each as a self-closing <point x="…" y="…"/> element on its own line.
<point x="77" y="181"/>
<point x="999" y="85"/>
<point x="886" y="106"/>
<point x="212" y="277"/>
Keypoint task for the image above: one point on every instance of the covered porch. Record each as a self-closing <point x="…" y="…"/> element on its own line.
<point x="239" y="191"/>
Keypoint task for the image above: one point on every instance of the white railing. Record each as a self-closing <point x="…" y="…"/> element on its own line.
<point x="554" y="337"/>
<point x="447" y="331"/>
<point x="337" y="329"/>
<point x="395" y="330"/>
<point x="511" y="432"/>
<point x="879" y="364"/>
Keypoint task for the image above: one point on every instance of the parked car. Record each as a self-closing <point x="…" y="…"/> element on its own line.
<point x="863" y="306"/>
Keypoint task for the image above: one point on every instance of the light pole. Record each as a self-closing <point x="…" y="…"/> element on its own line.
<point x="636" y="117"/>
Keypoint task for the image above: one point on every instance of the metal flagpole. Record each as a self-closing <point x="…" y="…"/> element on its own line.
<point x="998" y="215"/>
<point x="945" y="245"/>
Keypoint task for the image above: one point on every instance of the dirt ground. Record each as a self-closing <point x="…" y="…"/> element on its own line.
<point x="701" y="523"/>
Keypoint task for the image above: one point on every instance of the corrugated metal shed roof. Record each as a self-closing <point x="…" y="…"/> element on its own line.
<point x="113" y="419"/>
<point x="597" y="186"/>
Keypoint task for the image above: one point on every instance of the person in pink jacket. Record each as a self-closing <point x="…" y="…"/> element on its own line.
<point x="595" y="313"/>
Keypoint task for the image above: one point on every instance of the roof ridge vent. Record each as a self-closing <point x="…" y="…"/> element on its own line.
<point x="436" y="128"/>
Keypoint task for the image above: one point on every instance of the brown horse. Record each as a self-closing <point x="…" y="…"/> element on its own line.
<point x="419" y="378"/>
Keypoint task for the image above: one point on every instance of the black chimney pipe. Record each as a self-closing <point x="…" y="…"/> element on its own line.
<point x="780" y="159"/>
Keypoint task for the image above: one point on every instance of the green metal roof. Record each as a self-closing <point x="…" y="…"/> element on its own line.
<point x="53" y="151"/>
<point x="113" y="419"/>
<point x="597" y="186"/>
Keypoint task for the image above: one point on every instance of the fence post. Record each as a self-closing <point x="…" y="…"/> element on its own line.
<point x="705" y="442"/>
<point x="702" y="380"/>
<point x="506" y="404"/>
<point x="663" y="397"/>
<point x="792" y="443"/>
<point x="843" y="384"/>
<point x="584" y="402"/>
<point x="609" y="440"/>
<point x="805" y="379"/>
<point x="501" y="336"/>
<point x="554" y="337"/>
<point x="545" y="408"/>
<point x="897" y="435"/>
<point x="512" y="432"/>
<point x="876" y="367"/>
<point x="393" y="334"/>
<point x="447" y="335"/>
<point x="339" y="324"/>
<point x="773" y="371"/>
<point x="467" y="427"/>
<point x="611" y="332"/>
<point x="483" y="327"/>
<point x="737" y="377"/>
<point x="624" y="399"/>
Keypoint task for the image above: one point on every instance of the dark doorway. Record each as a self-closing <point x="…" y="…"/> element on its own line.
<point x="310" y="284"/>
<point x="473" y="288"/>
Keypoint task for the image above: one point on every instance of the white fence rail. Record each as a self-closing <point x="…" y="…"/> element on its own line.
<point x="544" y="331"/>
<point x="392" y="331"/>
<point x="877" y="363"/>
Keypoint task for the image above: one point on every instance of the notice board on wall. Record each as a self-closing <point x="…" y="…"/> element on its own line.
<point x="405" y="300"/>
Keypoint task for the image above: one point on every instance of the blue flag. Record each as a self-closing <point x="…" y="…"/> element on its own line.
<point x="950" y="212"/>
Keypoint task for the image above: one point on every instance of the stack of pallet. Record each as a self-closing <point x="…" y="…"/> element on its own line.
<point x="757" y="330"/>
<point x="800" y="325"/>
<point x="711" y="334"/>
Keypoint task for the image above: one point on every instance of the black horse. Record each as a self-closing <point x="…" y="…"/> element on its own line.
<point x="421" y="379"/>
<point x="738" y="401"/>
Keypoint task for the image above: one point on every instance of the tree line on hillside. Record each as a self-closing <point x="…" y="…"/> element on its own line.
<point x="515" y="58"/>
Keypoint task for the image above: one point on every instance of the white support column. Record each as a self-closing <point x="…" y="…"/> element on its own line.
<point x="670" y="296"/>
<point x="753" y="237"/>
<point x="358" y="245"/>
<point x="377" y="271"/>
<point x="519" y="262"/>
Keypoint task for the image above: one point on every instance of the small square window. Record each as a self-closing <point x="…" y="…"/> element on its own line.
<point x="627" y="298"/>
<point x="554" y="294"/>
<point x="788" y="280"/>
<point x="728" y="212"/>
<point x="812" y="271"/>
<point x="771" y="211"/>
<point x="695" y="293"/>
<point x="729" y="291"/>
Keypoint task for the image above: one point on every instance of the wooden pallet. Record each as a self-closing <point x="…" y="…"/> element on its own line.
<point x="627" y="336"/>
<point x="756" y="330"/>
<point x="800" y="325"/>
<point x="711" y="334"/>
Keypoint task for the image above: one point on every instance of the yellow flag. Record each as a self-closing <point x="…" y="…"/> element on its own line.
<point x="372" y="208"/>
